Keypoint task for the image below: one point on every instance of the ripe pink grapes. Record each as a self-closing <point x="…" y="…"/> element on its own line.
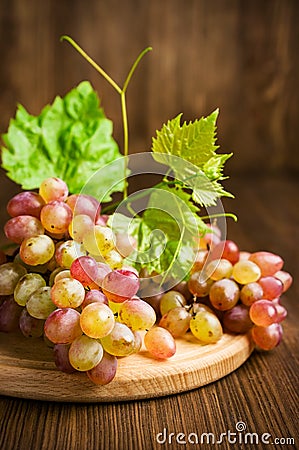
<point x="68" y="281"/>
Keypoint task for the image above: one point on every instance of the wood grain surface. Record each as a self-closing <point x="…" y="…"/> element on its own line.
<point x="240" y="56"/>
<point x="262" y="393"/>
<point x="27" y="370"/>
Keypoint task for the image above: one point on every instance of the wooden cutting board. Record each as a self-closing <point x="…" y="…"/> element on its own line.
<point x="27" y="370"/>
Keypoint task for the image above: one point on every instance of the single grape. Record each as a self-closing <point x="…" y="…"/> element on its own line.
<point x="224" y="294"/>
<point x="25" y="203"/>
<point x="218" y="269"/>
<point x="237" y="319"/>
<point x="210" y="240"/>
<point x="22" y="227"/>
<point x="120" y="285"/>
<point x="199" y="284"/>
<point x="10" y="273"/>
<point x="272" y="287"/>
<point x="86" y="270"/>
<point x="137" y="314"/>
<point x="84" y="204"/>
<point x="26" y="286"/>
<point x="104" y="372"/>
<point x="246" y="271"/>
<point x="286" y="279"/>
<point x="40" y="305"/>
<point x="79" y="226"/>
<point x="37" y="250"/>
<point x="171" y="299"/>
<point x="61" y="358"/>
<point x="266" y="338"/>
<point x="263" y="313"/>
<point x="66" y="252"/>
<point x="56" y="217"/>
<point x="63" y="326"/>
<point x="227" y="250"/>
<point x="30" y="326"/>
<point x="53" y="189"/>
<point x="206" y="327"/>
<point x="120" y="342"/>
<point x="160" y="343"/>
<point x="94" y="296"/>
<point x="9" y="315"/>
<point x="269" y="263"/>
<point x="125" y="244"/>
<point x="176" y="321"/>
<point x="250" y="293"/>
<point x="67" y="293"/>
<point x="85" y="353"/>
<point x="66" y="273"/>
<point x="99" y="240"/>
<point x="97" y="320"/>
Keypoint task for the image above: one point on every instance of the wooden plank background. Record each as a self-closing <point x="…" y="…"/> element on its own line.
<point x="237" y="55"/>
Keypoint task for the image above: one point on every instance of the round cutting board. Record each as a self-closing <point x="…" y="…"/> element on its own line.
<point x="27" y="370"/>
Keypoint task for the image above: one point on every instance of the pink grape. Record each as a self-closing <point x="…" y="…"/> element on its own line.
<point x="227" y="250"/>
<point x="171" y="299"/>
<point x="286" y="279"/>
<point x="250" y="293"/>
<point x="97" y="320"/>
<point x="22" y="227"/>
<point x="85" y="353"/>
<point x="272" y="287"/>
<point x="67" y="251"/>
<point x="61" y="358"/>
<point x="125" y="244"/>
<point x="120" y="285"/>
<point x="30" y="326"/>
<point x="137" y="314"/>
<point x="53" y="189"/>
<point x="63" y="326"/>
<point x="94" y="296"/>
<point x="56" y="217"/>
<point x="237" y="319"/>
<point x="86" y="270"/>
<point x="224" y="294"/>
<point x="269" y="263"/>
<point x="280" y="310"/>
<point x="67" y="293"/>
<point x="10" y="274"/>
<point x="9" y="315"/>
<point x="84" y="204"/>
<point x="37" y="250"/>
<point x="176" y="321"/>
<point x="79" y="226"/>
<point x="102" y="272"/>
<point x="263" y="313"/>
<point x="25" y="203"/>
<point x="160" y="343"/>
<point x="120" y="342"/>
<point x="199" y="284"/>
<point x="267" y="338"/>
<point x="105" y="371"/>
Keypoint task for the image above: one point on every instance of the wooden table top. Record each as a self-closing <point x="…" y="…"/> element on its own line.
<point x="260" y="398"/>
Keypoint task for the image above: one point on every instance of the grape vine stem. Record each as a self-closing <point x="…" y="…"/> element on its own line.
<point x="121" y="91"/>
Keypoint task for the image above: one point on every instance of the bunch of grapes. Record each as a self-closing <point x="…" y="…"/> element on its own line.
<point x="67" y="283"/>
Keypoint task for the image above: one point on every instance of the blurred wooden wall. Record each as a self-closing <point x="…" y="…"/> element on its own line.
<point x="241" y="56"/>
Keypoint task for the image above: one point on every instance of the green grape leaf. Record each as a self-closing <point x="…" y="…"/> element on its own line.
<point x="70" y="139"/>
<point x="190" y="151"/>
